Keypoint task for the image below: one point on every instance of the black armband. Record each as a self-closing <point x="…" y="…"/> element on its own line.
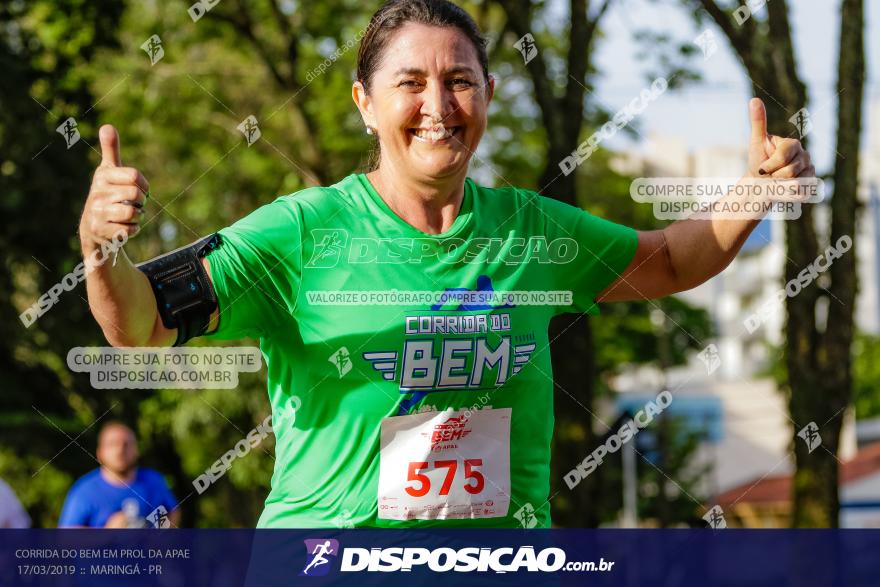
<point x="185" y="297"/>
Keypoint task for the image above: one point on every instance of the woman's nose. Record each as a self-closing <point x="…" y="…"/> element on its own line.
<point x="437" y="101"/>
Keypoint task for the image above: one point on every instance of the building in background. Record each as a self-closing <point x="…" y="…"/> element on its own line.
<point x="766" y="502"/>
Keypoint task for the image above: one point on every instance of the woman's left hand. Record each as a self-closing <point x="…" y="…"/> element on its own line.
<point x="773" y="156"/>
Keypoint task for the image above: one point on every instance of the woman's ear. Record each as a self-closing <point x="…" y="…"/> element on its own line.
<point x="490" y="88"/>
<point x="364" y="103"/>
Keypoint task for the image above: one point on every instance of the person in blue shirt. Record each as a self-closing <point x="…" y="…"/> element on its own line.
<point x="119" y="494"/>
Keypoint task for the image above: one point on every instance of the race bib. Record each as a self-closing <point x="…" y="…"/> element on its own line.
<point x="445" y="465"/>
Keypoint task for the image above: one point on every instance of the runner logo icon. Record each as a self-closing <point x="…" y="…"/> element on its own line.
<point x="317" y="553"/>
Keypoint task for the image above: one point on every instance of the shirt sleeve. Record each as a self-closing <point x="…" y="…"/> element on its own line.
<point x="76" y="511"/>
<point x="256" y="270"/>
<point x="163" y="495"/>
<point x="604" y="249"/>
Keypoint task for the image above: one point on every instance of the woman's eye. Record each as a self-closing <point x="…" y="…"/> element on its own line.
<point x="409" y="83"/>
<point x="461" y="82"/>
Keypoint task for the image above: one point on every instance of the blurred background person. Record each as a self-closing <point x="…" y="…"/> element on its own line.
<point x="119" y="494"/>
<point x="12" y="514"/>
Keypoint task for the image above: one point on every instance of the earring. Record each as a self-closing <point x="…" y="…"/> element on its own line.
<point x="370" y="130"/>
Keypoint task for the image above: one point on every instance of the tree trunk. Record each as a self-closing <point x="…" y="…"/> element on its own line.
<point x="816" y="499"/>
<point x="573" y="394"/>
<point x="571" y="339"/>
<point x="574" y="376"/>
<point x="817" y="354"/>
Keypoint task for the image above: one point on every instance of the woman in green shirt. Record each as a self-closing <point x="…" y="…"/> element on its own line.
<point x="423" y="391"/>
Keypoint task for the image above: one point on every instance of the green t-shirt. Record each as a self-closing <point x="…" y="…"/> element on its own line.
<point x="394" y="405"/>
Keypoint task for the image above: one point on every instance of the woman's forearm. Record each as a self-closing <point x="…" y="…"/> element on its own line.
<point x="700" y="248"/>
<point x="122" y="302"/>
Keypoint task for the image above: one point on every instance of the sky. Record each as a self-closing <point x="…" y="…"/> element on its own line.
<point x="714" y="112"/>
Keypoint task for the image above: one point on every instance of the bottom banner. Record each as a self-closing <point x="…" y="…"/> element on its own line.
<point x="267" y="558"/>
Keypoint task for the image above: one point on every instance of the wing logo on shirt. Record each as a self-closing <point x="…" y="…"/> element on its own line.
<point x="383" y="362"/>
<point x="424" y="370"/>
<point x="521" y="356"/>
<point x="451" y="352"/>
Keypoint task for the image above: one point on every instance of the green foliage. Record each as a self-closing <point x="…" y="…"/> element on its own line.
<point x="866" y="376"/>
<point x="45" y="51"/>
<point x="626" y="335"/>
<point x="669" y="485"/>
<point x="41" y="499"/>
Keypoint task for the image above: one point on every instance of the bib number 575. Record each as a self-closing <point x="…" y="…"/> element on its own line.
<point x="474" y="480"/>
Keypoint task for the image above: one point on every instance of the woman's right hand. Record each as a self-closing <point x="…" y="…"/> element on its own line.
<point x="120" y="295"/>
<point x="116" y="198"/>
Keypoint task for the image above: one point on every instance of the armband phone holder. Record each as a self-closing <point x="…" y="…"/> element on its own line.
<point x="184" y="295"/>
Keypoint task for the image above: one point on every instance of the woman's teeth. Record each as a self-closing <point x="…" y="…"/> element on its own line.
<point x="434" y="134"/>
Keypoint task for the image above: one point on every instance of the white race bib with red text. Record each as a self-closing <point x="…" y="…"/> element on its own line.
<point x="445" y="465"/>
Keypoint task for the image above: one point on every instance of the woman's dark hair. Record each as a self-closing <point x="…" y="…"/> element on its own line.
<point x="395" y="13"/>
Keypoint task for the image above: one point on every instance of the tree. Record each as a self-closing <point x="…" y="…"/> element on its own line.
<point x="44" y="55"/>
<point x="818" y="352"/>
<point x="290" y="46"/>
<point x="560" y="101"/>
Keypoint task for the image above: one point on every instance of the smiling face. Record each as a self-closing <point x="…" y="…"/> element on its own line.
<point x="427" y="102"/>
